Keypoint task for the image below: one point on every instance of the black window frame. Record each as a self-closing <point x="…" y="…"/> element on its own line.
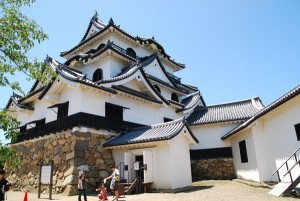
<point x="297" y="130"/>
<point x="63" y="110"/>
<point x="98" y="75"/>
<point x="167" y="119"/>
<point x="174" y="97"/>
<point x="243" y="151"/>
<point x="114" y="112"/>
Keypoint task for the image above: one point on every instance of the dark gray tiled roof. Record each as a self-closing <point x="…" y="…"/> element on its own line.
<point x="190" y="101"/>
<point x="286" y="97"/>
<point x="158" y="132"/>
<point x="235" y="111"/>
<point x="74" y="75"/>
<point x="103" y="28"/>
<point x="15" y="99"/>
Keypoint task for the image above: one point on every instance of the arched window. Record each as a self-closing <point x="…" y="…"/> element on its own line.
<point x="98" y="75"/>
<point x="131" y="52"/>
<point x="174" y="97"/>
<point x="157" y="88"/>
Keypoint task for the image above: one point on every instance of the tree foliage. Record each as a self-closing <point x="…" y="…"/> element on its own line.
<point x="18" y="35"/>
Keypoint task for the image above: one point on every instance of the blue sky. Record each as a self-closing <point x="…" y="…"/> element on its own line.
<point x="233" y="49"/>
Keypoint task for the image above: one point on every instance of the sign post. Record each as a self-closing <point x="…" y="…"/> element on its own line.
<point x="46" y="178"/>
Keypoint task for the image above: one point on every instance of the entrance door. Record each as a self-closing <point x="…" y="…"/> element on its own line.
<point x="148" y="160"/>
<point x="128" y="161"/>
<point x="140" y="159"/>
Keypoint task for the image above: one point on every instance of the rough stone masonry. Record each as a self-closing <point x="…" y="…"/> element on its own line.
<point x="68" y="150"/>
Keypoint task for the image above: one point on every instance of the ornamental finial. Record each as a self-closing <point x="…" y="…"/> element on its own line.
<point x="95" y="17"/>
<point x="111" y="21"/>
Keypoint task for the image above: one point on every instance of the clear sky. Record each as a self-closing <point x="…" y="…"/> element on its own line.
<point x="232" y="49"/>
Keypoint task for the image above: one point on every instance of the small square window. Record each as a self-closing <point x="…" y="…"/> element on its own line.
<point x="297" y="129"/>
<point x="243" y="151"/>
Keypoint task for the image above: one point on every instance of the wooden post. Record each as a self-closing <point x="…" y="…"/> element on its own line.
<point x="40" y="185"/>
<point x="51" y="181"/>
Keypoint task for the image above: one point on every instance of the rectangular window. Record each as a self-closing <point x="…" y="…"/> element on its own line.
<point x="297" y="129"/>
<point x="243" y="151"/>
<point x="62" y="110"/>
<point x="167" y="119"/>
<point x="114" y="112"/>
<point x="39" y="125"/>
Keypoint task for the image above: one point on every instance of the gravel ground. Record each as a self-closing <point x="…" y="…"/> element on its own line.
<point x="204" y="190"/>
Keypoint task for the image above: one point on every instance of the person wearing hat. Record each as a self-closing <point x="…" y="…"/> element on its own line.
<point x="4" y="185"/>
<point x="82" y="185"/>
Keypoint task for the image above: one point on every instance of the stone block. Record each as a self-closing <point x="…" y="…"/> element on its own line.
<point x="62" y="141"/>
<point x="75" y="154"/>
<point x="57" y="159"/>
<point x="77" y="161"/>
<point x="66" y="148"/>
<point x="80" y="145"/>
<point x="100" y="149"/>
<point x="71" y="179"/>
<point x="70" y="190"/>
<point x="107" y="155"/>
<point x="71" y="170"/>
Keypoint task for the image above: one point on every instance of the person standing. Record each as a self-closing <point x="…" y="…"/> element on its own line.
<point x="82" y="185"/>
<point x="114" y="181"/>
<point x="4" y="185"/>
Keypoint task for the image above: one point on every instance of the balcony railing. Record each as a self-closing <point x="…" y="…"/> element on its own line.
<point x="78" y="119"/>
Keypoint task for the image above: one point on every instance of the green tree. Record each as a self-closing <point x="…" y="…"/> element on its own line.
<point x="18" y="35"/>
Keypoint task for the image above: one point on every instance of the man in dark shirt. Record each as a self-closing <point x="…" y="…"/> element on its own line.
<point x="4" y="185"/>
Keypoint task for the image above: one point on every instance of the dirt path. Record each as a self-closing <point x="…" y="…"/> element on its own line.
<point x="205" y="190"/>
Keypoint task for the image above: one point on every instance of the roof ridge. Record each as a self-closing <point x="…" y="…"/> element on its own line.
<point x="234" y="102"/>
<point x="181" y="119"/>
<point x="279" y="101"/>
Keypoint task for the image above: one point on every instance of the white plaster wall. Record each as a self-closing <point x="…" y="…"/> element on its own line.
<point x="277" y="134"/>
<point x="209" y="136"/>
<point x="162" y="167"/>
<point x="116" y="66"/>
<point x="104" y="63"/>
<point x="40" y="111"/>
<point x="247" y="170"/>
<point x="73" y="95"/>
<point x="180" y="165"/>
<point x="155" y="70"/>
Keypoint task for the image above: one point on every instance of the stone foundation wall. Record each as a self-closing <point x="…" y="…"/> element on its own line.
<point x="213" y="169"/>
<point x="68" y="150"/>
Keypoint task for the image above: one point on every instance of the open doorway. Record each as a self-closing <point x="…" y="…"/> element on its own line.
<point x="140" y="159"/>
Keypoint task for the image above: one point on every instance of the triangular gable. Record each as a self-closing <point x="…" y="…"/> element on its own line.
<point x="157" y="70"/>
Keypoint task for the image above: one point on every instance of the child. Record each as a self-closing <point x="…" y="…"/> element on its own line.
<point x="102" y="193"/>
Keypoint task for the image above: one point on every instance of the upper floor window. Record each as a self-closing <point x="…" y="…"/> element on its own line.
<point x="98" y="75"/>
<point x="243" y="151"/>
<point x="297" y="129"/>
<point x="39" y="125"/>
<point x="131" y="52"/>
<point x="174" y="97"/>
<point x="113" y="111"/>
<point x="167" y="119"/>
<point x="62" y="110"/>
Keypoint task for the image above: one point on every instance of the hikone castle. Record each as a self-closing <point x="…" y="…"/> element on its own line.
<point x="116" y="100"/>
